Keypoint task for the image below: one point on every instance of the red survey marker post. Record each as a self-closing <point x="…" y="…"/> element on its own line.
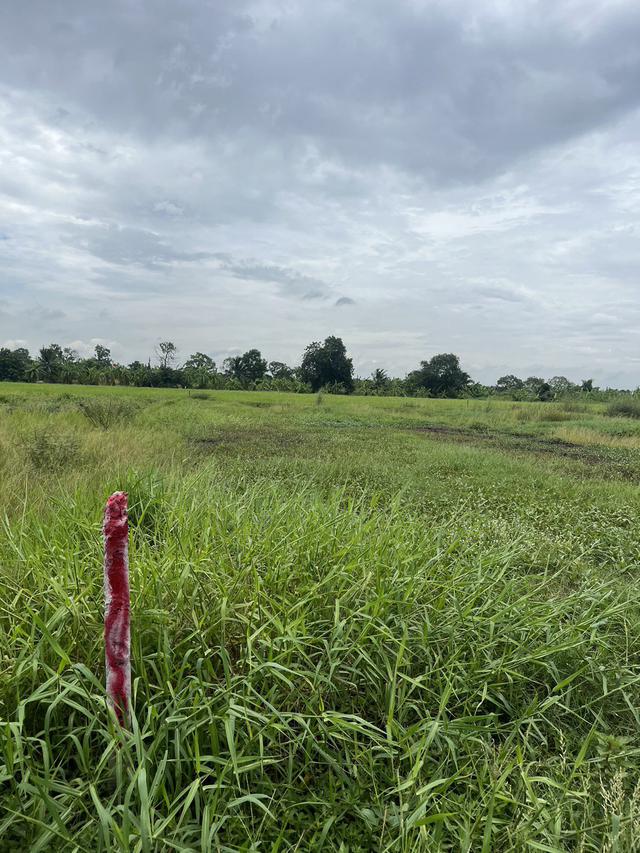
<point x="117" y="626"/>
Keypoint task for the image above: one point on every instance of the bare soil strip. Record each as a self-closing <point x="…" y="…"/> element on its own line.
<point x="603" y="462"/>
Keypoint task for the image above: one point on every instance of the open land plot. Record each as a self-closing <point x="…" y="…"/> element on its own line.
<point x="358" y="623"/>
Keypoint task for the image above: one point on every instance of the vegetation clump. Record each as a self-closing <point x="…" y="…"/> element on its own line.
<point x="49" y="450"/>
<point x="624" y="409"/>
<point x="105" y="414"/>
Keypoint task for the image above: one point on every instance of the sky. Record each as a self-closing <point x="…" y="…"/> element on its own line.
<point x="415" y="176"/>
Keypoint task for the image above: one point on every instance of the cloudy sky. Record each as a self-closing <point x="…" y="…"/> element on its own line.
<point x="416" y="176"/>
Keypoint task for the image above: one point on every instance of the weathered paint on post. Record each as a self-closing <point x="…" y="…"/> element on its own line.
<point x="117" y="629"/>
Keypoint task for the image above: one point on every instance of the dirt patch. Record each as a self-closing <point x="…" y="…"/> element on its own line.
<point x="598" y="461"/>
<point x="250" y="442"/>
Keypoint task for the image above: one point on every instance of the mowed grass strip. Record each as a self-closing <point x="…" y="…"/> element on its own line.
<point x="376" y="642"/>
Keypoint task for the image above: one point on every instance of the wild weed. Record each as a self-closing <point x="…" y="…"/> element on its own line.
<point x="107" y="413"/>
<point x="624" y="409"/>
<point x="50" y="450"/>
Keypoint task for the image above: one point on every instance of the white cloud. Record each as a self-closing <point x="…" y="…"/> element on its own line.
<point x="168" y="207"/>
<point x="87" y="348"/>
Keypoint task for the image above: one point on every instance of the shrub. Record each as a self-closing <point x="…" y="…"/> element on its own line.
<point x="49" y="450"/>
<point x="572" y="406"/>
<point x="335" y="388"/>
<point x="526" y="414"/>
<point x="554" y="415"/>
<point x="106" y="413"/>
<point x="624" y="409"/>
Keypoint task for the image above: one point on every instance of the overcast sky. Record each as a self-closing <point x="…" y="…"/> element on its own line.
<point x="415" y="176"/>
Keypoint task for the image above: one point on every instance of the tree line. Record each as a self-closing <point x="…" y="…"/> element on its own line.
<point x="324" y="366"/>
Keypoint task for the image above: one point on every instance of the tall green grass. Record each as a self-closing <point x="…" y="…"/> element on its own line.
<point x="624" y="409"/>
<point x="345" y="636"/>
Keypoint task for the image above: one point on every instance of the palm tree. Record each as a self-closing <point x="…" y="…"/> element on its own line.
<point x="379" y="378"/>
<point x="32" y="371"/>
<point x="49" y="361"/>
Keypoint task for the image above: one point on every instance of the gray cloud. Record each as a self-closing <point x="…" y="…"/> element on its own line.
<point x="502" y="294"/>
<point x="290" y="282"/>
<point x="127" y="246"/>
<point x="222" y="173"/>
<point x="441" y="88"/>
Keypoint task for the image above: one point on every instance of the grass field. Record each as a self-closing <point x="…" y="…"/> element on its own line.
<point x="359" y="624"/>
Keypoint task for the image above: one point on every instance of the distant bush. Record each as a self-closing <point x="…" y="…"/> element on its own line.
<point x="335" y="388"/>
<point x="572" y="406"/>
<point x="553" y="415"/>
<point x="199" y="395"/>
<point x="624" y="409"/>
<point x="49" y="450"/>
<point x="106" y="413"/>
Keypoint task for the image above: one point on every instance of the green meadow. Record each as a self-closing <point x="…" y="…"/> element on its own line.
<point x="358" y="623"/>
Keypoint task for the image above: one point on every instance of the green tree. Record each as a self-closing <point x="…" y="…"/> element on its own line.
<point x="139" y="373"/>
<point x="509" y="383"/>
<point x="533" y="384"/>
<point x="545" y="392"/>
<point x="379" y="379"/>
<point x="327" y="364"/>
<point x="200" y="361"/>
<point x="561" y="385"/>
<point x="247" y="368"/>
<point x="102" y="356"/>
<point x="168" y="377"/>
<point x="478" y="390"/>
<point x="50" y="361"/>
<point x="14" y="364"/>
<point x="231" y="365"/>
<point x="441" y="376"/>
<point x="280" y="370"/>
<point x="200" y="370"/>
